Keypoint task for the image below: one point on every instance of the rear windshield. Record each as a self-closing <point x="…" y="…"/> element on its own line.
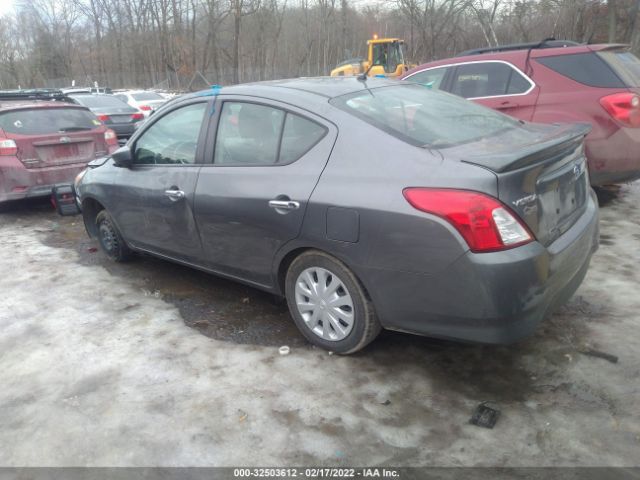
<point x="423" y="117"/>
<point x="625" y="64"/>
<point x="146" y="96"/>
<point x="93" y="101"/>
<point x="586" y="68"/>
<point x="39" y="121"/>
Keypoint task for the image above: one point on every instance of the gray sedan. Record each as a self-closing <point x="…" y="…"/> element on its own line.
<point x="367" y="204"/>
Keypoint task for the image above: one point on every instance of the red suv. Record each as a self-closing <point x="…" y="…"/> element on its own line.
<point x="556" y="81"/>
<point x="45" y="142"/>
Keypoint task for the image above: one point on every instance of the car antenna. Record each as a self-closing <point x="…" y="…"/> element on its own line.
<point x="363" y="76"/>
<point x="527" y="62"/>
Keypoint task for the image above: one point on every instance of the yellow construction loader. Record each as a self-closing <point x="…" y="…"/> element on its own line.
<point x="385" y="57"/>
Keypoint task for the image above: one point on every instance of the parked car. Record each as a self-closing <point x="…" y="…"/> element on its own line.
<point x="117" y="115"/>
<point x="45" y="143"/>
<point x="556" y="82"/>
<point x="367" y="204"/>
<point x="143" y="100"/>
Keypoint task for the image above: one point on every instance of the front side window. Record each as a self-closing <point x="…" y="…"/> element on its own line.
<point x="487" y="79"/>
<point x="173" y="139"/>
<point x="423" y="117"/>
<point x="252" y="134"/>
<point x="431" y="78"/>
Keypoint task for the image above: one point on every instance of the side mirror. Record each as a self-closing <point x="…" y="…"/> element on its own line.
<point x="123" y="157"/>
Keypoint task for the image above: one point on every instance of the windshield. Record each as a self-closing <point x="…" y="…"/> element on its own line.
<point x="625" y="64"/>
<point x="146" y="96"/>
<point x="420" y="116"/>
<point x="40" y="121"/>
<point x="93" y="101"/>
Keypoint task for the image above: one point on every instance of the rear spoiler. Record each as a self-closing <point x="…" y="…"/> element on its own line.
<point x="545" y="149"/>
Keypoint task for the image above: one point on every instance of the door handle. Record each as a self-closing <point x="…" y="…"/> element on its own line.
<point x="174" y="194"/>
<point x="284" y="204"/>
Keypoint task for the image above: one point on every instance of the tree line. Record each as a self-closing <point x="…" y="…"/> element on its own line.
<point x="186" y="44"/>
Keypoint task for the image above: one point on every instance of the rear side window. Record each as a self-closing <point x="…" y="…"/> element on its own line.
<point x="252" y="134"/>
<point x="586" y="68"/>
<point x="298" y="137"/>
<point x="625" y="64"/>
<point x="42" y="121"/>
<point x="431" y="78"/>
<point x="487" y="79"/>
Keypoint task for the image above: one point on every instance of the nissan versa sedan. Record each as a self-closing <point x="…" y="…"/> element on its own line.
<point x="367" y="204"/>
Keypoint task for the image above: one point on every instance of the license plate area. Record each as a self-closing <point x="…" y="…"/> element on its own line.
<point x="563" y="194"/>
<point x="120" y="118"/>
<point x="66" y="150"/>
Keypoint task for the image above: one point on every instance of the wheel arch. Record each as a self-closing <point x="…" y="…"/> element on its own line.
<point x="288" y="255"/>
<point x="90" y="210"/>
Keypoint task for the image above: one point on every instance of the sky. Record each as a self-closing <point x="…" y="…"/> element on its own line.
<point x="6" y="6"/>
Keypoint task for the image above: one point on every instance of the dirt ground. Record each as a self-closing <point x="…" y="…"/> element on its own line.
<point x="153" y="364"/>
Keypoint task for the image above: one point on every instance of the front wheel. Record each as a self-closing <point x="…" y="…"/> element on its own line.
<point x="329" y="304"/>
<point x="110" y="239"/>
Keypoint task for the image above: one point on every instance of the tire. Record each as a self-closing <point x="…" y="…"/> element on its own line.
<point x="111" y="241"/>
<point x="338" y="317"/>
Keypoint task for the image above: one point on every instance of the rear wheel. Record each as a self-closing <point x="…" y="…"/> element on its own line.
<point x="110" y="239"/>
<point x="329" y="304"/>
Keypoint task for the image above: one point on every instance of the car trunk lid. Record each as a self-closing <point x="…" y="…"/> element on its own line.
<point x="541" y="173"/>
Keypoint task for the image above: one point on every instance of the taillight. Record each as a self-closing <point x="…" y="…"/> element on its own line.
<point x="483" y="221"/>
<point x="137" y="116"/>
<point x="8" y="147"/>
<point x="624" y="107"/>
<point x="110" y="137"/>
<point x="103" y="118"/>
<point x="146" y="108"/>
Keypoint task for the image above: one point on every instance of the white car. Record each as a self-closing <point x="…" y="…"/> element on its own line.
<point x="143" y="100"/>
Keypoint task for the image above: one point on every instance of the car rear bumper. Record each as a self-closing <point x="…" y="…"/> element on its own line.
<point x="493" y="298"/>
<point x="614" y="159"/>
<point x="18" y="182"/>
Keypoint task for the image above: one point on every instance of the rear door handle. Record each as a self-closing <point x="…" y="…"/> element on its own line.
<point x="284" y="204"/>
<point x="174" y="194"/>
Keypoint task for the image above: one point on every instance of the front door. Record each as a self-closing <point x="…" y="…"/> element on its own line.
<point x="153" y="200"/>
<point x="251" y="199"/>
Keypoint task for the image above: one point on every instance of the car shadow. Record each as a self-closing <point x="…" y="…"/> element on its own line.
<point x="232" y="312"/>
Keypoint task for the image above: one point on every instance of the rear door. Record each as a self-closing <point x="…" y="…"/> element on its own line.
<point x="152" y="202"/>
<point x="495" y="84"/>
<point x="265" y="159"/>
<point x="55" y="136"/>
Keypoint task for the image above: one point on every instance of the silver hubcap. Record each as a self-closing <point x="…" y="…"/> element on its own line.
<point x="324" y="304"/>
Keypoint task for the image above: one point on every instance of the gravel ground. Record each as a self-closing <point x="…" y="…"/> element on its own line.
<point x="153" y="364"/>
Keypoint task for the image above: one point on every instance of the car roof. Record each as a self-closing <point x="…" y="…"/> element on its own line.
<point x="516" y="55"/>
<point x="311" y="89"/>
